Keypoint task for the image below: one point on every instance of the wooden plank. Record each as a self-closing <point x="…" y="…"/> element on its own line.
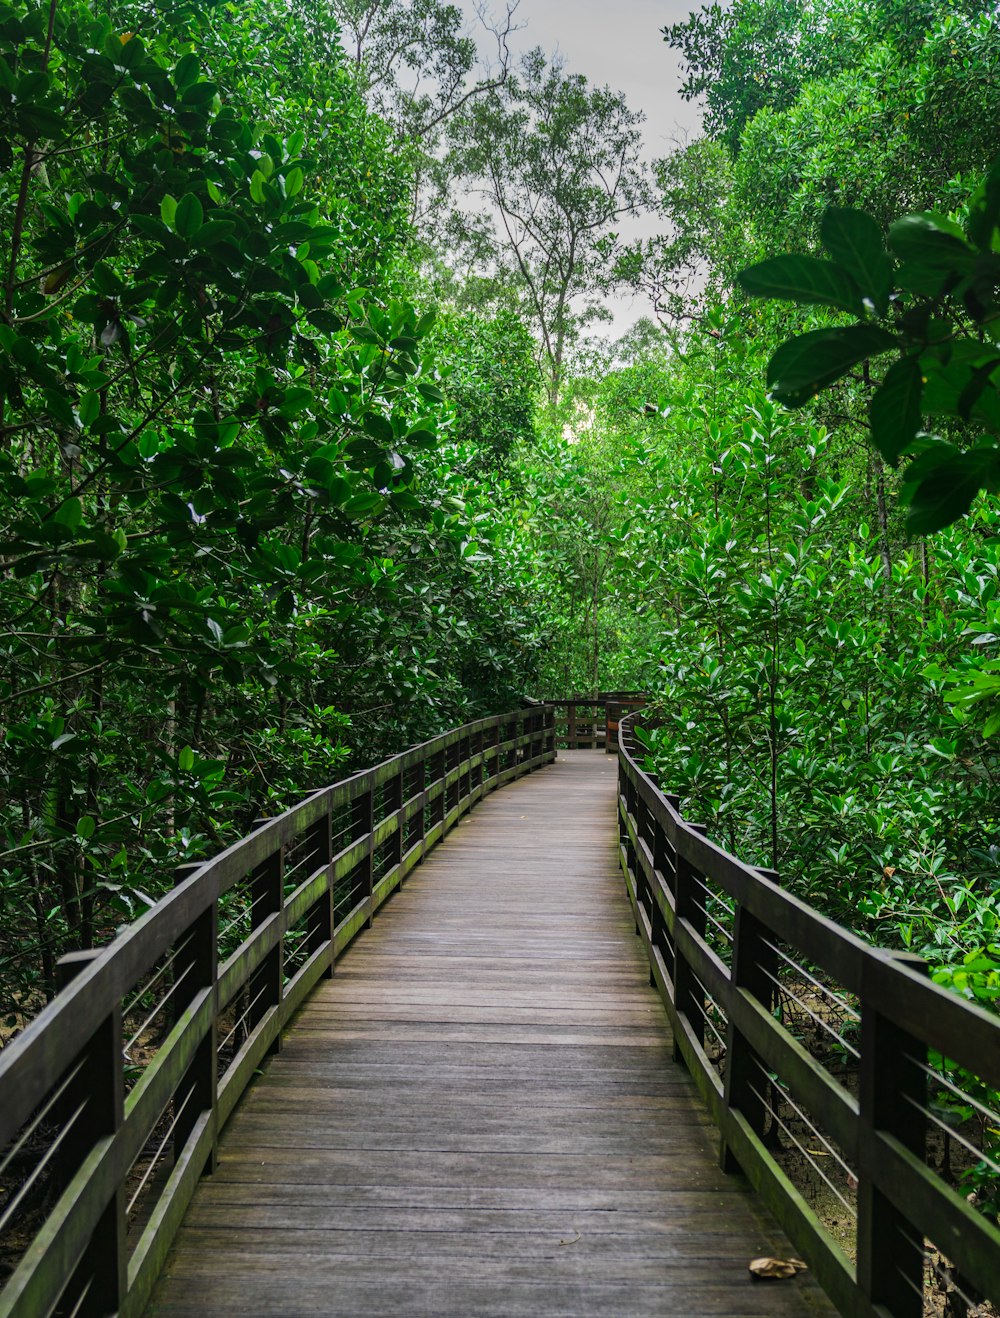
<point x="478" y="1113"/>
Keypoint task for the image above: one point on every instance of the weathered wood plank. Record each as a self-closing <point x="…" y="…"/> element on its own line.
<point x="478" y="1113"/>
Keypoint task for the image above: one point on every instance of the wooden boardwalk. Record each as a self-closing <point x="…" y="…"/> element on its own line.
<point x="479" y="1114"/>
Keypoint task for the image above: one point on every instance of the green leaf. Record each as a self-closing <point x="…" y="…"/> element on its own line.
<point x="932" y="243"/>
<point x="186" y="71"/>
<point x="808" y="363"/>
<point x="189" y="216"/>
<point x="69" y="514"/>
<point x="85" y="827"/>
<point x="982" y="377"/>
<point x="855" y="241"/>
<point x="199" y="93"/>
<point x="361" y="504"/>
<point x="293" y="182"/>
<point x="943" y="483"/>
<point x="378" y="427"/>
<point x="894" y="411"/>
<point x="185" y="760"/>
<point x="88" y="409"/>
<point x="168" y="210"/>
<point x="257" y="182"/>
<point x="803" y="279"/>
<point x="984" y="210"/>
<point x="213" y="231"/>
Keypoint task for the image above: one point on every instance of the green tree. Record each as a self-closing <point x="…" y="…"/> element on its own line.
<point x="560" y="163"/>
<point x="417" y="65"/>
<point x="237" y="542"/>
<point x="759" y="55"/>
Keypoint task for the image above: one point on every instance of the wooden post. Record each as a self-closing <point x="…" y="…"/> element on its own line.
<point x="643" y="820"/>
<point x="465" y="774"/>
<point x="452" y="760"/>
<point x="267" y="898"/>
<point x="623" y="792"/>
<point x="320" y="919"/>
<point x="612" y="717"/>
<point x="98" y="1093"/>
<point x="440" y="805"/>
<point x="571" y="725"/>
<point x="198" y="962"/>
<point x="550" y="730"/>
<point x="393" y="805"/>
<point x="892" y="1097"/>
<point x="755" y="964"/>
<point x="479" y="773"/>
<point x="663" y="864"/>
<point x="689" y="998"/>
<point x="363" y="826"/>
<point x="493" y="764"/>
<point x="419" y="787"/>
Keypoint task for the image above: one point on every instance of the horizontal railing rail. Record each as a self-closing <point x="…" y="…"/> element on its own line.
<point x="591" y="722"/>
<point x="112" y="1100"/>
<point x="841" y="1078"/>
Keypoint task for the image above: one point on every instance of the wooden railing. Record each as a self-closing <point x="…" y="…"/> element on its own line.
<point x="112" y="1101"/>
<point x="591" y="722"/>
<point x="826" y="1063"/>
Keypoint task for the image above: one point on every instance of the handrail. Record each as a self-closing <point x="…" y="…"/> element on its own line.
<point x="727" y="948"/>
<point x="195" y="995"/>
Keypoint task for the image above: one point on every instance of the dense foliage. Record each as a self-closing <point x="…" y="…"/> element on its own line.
<point x="290" y="480"/>
<point x="243" y="536"/>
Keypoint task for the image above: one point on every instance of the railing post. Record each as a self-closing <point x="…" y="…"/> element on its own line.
<point x="642" y="818"/>
<point x="493" y="769"/>
<point x="393" y="798"/>
<point x="571" y="726"/>
<point x="198" y="962"/>
<point x="419" y="787"/>
<point x="453" y="793"/>
<point x="754" y="969"/>
<point x="97" y="1094"/>
<point x="320" y="930"/>
<point x="267" y="899"/>
<point x="439" y="805"/>
<point x="465" y="777"/>
<point x="623" y="789"/>
<point x="892" y="1098"/>
<point x="664" y="864"/>
<point x="363" y="825"/>
<point x="479" y="772"/>
<point x="689" y="999"/>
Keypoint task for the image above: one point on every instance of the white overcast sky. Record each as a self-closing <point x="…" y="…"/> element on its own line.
<point x="619" y="45"/>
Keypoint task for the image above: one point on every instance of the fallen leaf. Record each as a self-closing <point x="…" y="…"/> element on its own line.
<point x="777" y="1269"/>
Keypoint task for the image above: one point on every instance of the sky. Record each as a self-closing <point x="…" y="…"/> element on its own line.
<point x="618" y="44"/>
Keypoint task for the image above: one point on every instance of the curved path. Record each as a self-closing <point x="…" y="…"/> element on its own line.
<point x="478" y="1115"/>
